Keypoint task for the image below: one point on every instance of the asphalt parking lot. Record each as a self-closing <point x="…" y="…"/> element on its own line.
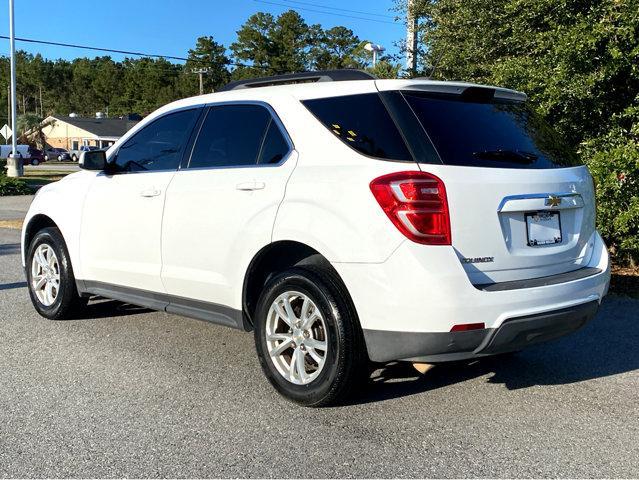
<point x="126" y="392"/>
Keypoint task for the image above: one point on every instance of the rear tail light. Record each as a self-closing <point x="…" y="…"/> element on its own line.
<point x="416" y="204"/>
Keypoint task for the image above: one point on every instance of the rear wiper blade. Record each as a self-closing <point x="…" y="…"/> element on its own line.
<point x="507" y="155"/>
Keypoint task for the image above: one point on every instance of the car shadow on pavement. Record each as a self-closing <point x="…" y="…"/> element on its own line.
<point x="607" y="346"/>
<point x="9" y="248"/>
<point x="11" y="286"/>
<point x="105" y="308"/>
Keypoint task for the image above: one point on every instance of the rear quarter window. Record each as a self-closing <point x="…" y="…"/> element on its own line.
<point x="363" y="123"/>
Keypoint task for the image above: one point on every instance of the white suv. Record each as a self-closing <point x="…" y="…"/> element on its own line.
<point x="343" y="219"/>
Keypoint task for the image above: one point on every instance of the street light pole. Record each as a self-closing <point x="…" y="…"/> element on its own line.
<point x="14" y="164"/>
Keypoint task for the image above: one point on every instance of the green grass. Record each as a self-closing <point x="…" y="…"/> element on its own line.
<point x="33" y="179"/>
<point x="55" y="162"/>
<point x="36" y="179"/>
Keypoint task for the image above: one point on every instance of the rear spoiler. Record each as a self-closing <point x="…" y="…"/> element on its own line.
<point x="452" y="88"/>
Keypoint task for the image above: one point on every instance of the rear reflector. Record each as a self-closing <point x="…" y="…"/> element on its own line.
<point x="463" y="327"/>
<point x="416" y="203"/>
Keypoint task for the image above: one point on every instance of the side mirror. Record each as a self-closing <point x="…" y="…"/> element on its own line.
<point x="93" y="160"/>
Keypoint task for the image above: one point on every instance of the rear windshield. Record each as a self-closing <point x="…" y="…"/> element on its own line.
<point x="480" y="132"/>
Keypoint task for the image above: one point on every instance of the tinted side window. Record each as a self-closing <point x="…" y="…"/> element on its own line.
<point x="275" y="147"/>
<point x="231" y="135"/>
<point x="159" y="145"/>
<point x="363" y="123"/>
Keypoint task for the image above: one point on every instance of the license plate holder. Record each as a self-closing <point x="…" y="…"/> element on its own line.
<point x="543" y="228"/>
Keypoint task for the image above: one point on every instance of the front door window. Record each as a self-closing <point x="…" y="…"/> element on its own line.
<point x="159" y="145"/>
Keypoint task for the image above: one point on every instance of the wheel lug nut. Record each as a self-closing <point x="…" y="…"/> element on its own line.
<point x="303" y="347"/>
<point x="294" y="345"/>
<point x="306" y="334"/>
<point x="298" y="324"/>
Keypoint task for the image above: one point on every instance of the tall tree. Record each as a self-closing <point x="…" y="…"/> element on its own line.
<point x="273" y="46"/>
<point x="148" y="84"/>
<point x="210" y="56"/>
<point x="385" y="68"/>
<point x="106" y="83"/>
<point x="337" y="47"/>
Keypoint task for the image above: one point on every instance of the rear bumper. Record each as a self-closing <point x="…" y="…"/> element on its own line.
<point x="408" y="304"/>
<point x="513" y="335"/>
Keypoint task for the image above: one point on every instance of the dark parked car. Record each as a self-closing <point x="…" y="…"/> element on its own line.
<point x="59" y="154"/>
<point x="36" y="157"/>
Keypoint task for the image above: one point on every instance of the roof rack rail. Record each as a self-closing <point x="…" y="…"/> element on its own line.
<point x="302" y="77"/>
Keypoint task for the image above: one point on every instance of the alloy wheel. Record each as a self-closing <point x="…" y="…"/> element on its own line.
<point x="296" y="337"/>
<point x="45" y="275"/>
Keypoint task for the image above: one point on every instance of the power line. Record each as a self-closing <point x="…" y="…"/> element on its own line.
<point x="98" y="49"/>
<point x="123" y="52"/>
<point x="328" y="13"/>
<point x="340" y="9"/>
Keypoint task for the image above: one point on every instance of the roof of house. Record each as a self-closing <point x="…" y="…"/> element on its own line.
<point x="101" y="127"/>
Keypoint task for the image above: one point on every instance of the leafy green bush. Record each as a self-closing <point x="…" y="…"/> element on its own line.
<point x="12" y="186"/>
<point x="614" y="163"/>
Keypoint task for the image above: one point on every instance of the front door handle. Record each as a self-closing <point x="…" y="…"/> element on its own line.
<point x="150" y="192"/>
<point x="250" y="186"/>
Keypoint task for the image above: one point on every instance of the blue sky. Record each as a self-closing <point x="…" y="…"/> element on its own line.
<point x="169" y="27"/>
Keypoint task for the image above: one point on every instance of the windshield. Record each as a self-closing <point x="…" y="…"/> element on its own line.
<point x="488" y="133"/>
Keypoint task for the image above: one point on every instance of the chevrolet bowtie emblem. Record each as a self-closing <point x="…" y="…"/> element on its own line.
<point x="553" y="201"/>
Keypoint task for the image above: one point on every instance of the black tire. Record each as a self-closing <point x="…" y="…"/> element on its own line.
<point x="74" y="157"/>
<point x="345" y="358"/>
<point x="35" y="162"/>
<point x="68" y="304"/>
<point x="59" y="158"/>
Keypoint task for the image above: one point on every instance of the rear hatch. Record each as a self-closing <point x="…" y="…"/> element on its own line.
<point x="521" y="206"/>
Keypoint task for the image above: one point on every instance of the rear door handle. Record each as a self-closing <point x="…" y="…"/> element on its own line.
<point x="150" y="192"/>
<point x="250" y="186"/>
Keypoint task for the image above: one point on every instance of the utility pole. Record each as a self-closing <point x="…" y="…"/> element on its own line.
<point x="8" y="109"/>
<point x="411" y="38"/>
<point x="201" y="72"/>
<point x="14" y="163"/>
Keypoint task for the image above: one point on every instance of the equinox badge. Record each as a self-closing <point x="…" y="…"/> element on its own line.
<point x="478" y="260"/>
